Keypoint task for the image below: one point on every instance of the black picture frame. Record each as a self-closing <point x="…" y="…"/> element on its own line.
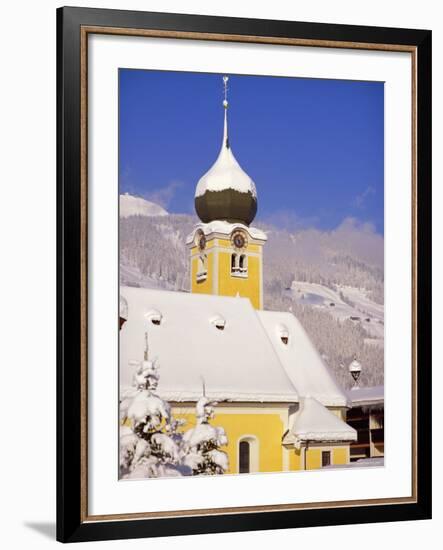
<point x="72" y="525"/>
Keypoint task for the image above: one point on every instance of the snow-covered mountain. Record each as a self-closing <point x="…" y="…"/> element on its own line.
<point x="136" y="206"/>
<point x="304" y="271"/>
<point x="342" y="303"/>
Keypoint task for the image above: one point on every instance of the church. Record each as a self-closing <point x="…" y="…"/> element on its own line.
<point x="278" y="402"/>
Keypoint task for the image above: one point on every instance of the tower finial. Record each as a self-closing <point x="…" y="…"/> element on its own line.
<point x="226" y="192"/>
<point x="225" y="105"/>
<point x="225" y="90"/>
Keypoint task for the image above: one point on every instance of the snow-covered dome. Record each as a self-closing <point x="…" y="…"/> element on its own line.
<point x="226" y="192"/>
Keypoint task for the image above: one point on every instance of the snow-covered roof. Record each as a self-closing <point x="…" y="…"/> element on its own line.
<point x="243" y="360"/>
<point x="225" y="173"/>
<point x="301" y="360"/>
<point x="373" y="395"/>
<point x="314" y="422"/>
<point x="238" y="363"/>
<point x="136" y="206"/>
<point x="225" y="228"/>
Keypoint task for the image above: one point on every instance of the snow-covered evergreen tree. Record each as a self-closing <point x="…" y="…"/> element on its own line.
<point x="151" y="445"/>
<point x="202" y="442"/>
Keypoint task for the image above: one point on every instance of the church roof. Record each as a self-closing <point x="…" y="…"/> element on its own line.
<point x="313" y="422"/>
<point x="244" y="361"/>
<point x="300" y="358"/>
<point x="237" y="363"/>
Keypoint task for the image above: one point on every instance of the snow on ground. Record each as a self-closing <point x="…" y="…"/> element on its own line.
<point x="364" y="304"/>
<point x="362" y="463"/>
<point x="343" y="303"/>
<point x="136" y="206"/>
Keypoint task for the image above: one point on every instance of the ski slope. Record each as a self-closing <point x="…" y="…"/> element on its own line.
<point x="343" y="303"/>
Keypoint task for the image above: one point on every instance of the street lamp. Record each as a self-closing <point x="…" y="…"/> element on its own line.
<point x="355" y="370"/>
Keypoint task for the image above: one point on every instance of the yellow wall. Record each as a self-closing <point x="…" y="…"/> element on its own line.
<point x="295" y="459"/>
<point x="246" y="287"/>
<point x="339" y="455"/>
<point x="226" y="284"/>
<point x="313" y="459"/>
<point x="266" y="427"/>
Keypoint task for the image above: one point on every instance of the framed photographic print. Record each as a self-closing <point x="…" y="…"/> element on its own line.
<point x="244" y="271"/>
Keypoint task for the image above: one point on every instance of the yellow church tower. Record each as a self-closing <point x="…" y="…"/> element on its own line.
<point x="226" y="251"/>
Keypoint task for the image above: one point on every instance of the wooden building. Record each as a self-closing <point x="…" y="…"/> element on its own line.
<point x="367" y="417"/>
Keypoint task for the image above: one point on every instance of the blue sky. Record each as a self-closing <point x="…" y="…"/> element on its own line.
<point x="314" y="148"/>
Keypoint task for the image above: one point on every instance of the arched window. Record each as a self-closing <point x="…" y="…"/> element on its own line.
<point x="248" y="454"/>
<point x="243" y="264"/>
<point x="239" y="265"/>
<point x="244" y="458"/>
<point x="233" y="263"/>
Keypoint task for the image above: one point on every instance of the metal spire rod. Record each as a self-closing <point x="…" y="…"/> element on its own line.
<point x="225" y="105"/>
<point x="225" y="90"/>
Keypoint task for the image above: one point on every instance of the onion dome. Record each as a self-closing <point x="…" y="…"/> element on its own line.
<point x="226" y="192"/>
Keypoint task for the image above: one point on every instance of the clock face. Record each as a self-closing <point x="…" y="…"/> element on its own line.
<point x="239" y="239"/>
